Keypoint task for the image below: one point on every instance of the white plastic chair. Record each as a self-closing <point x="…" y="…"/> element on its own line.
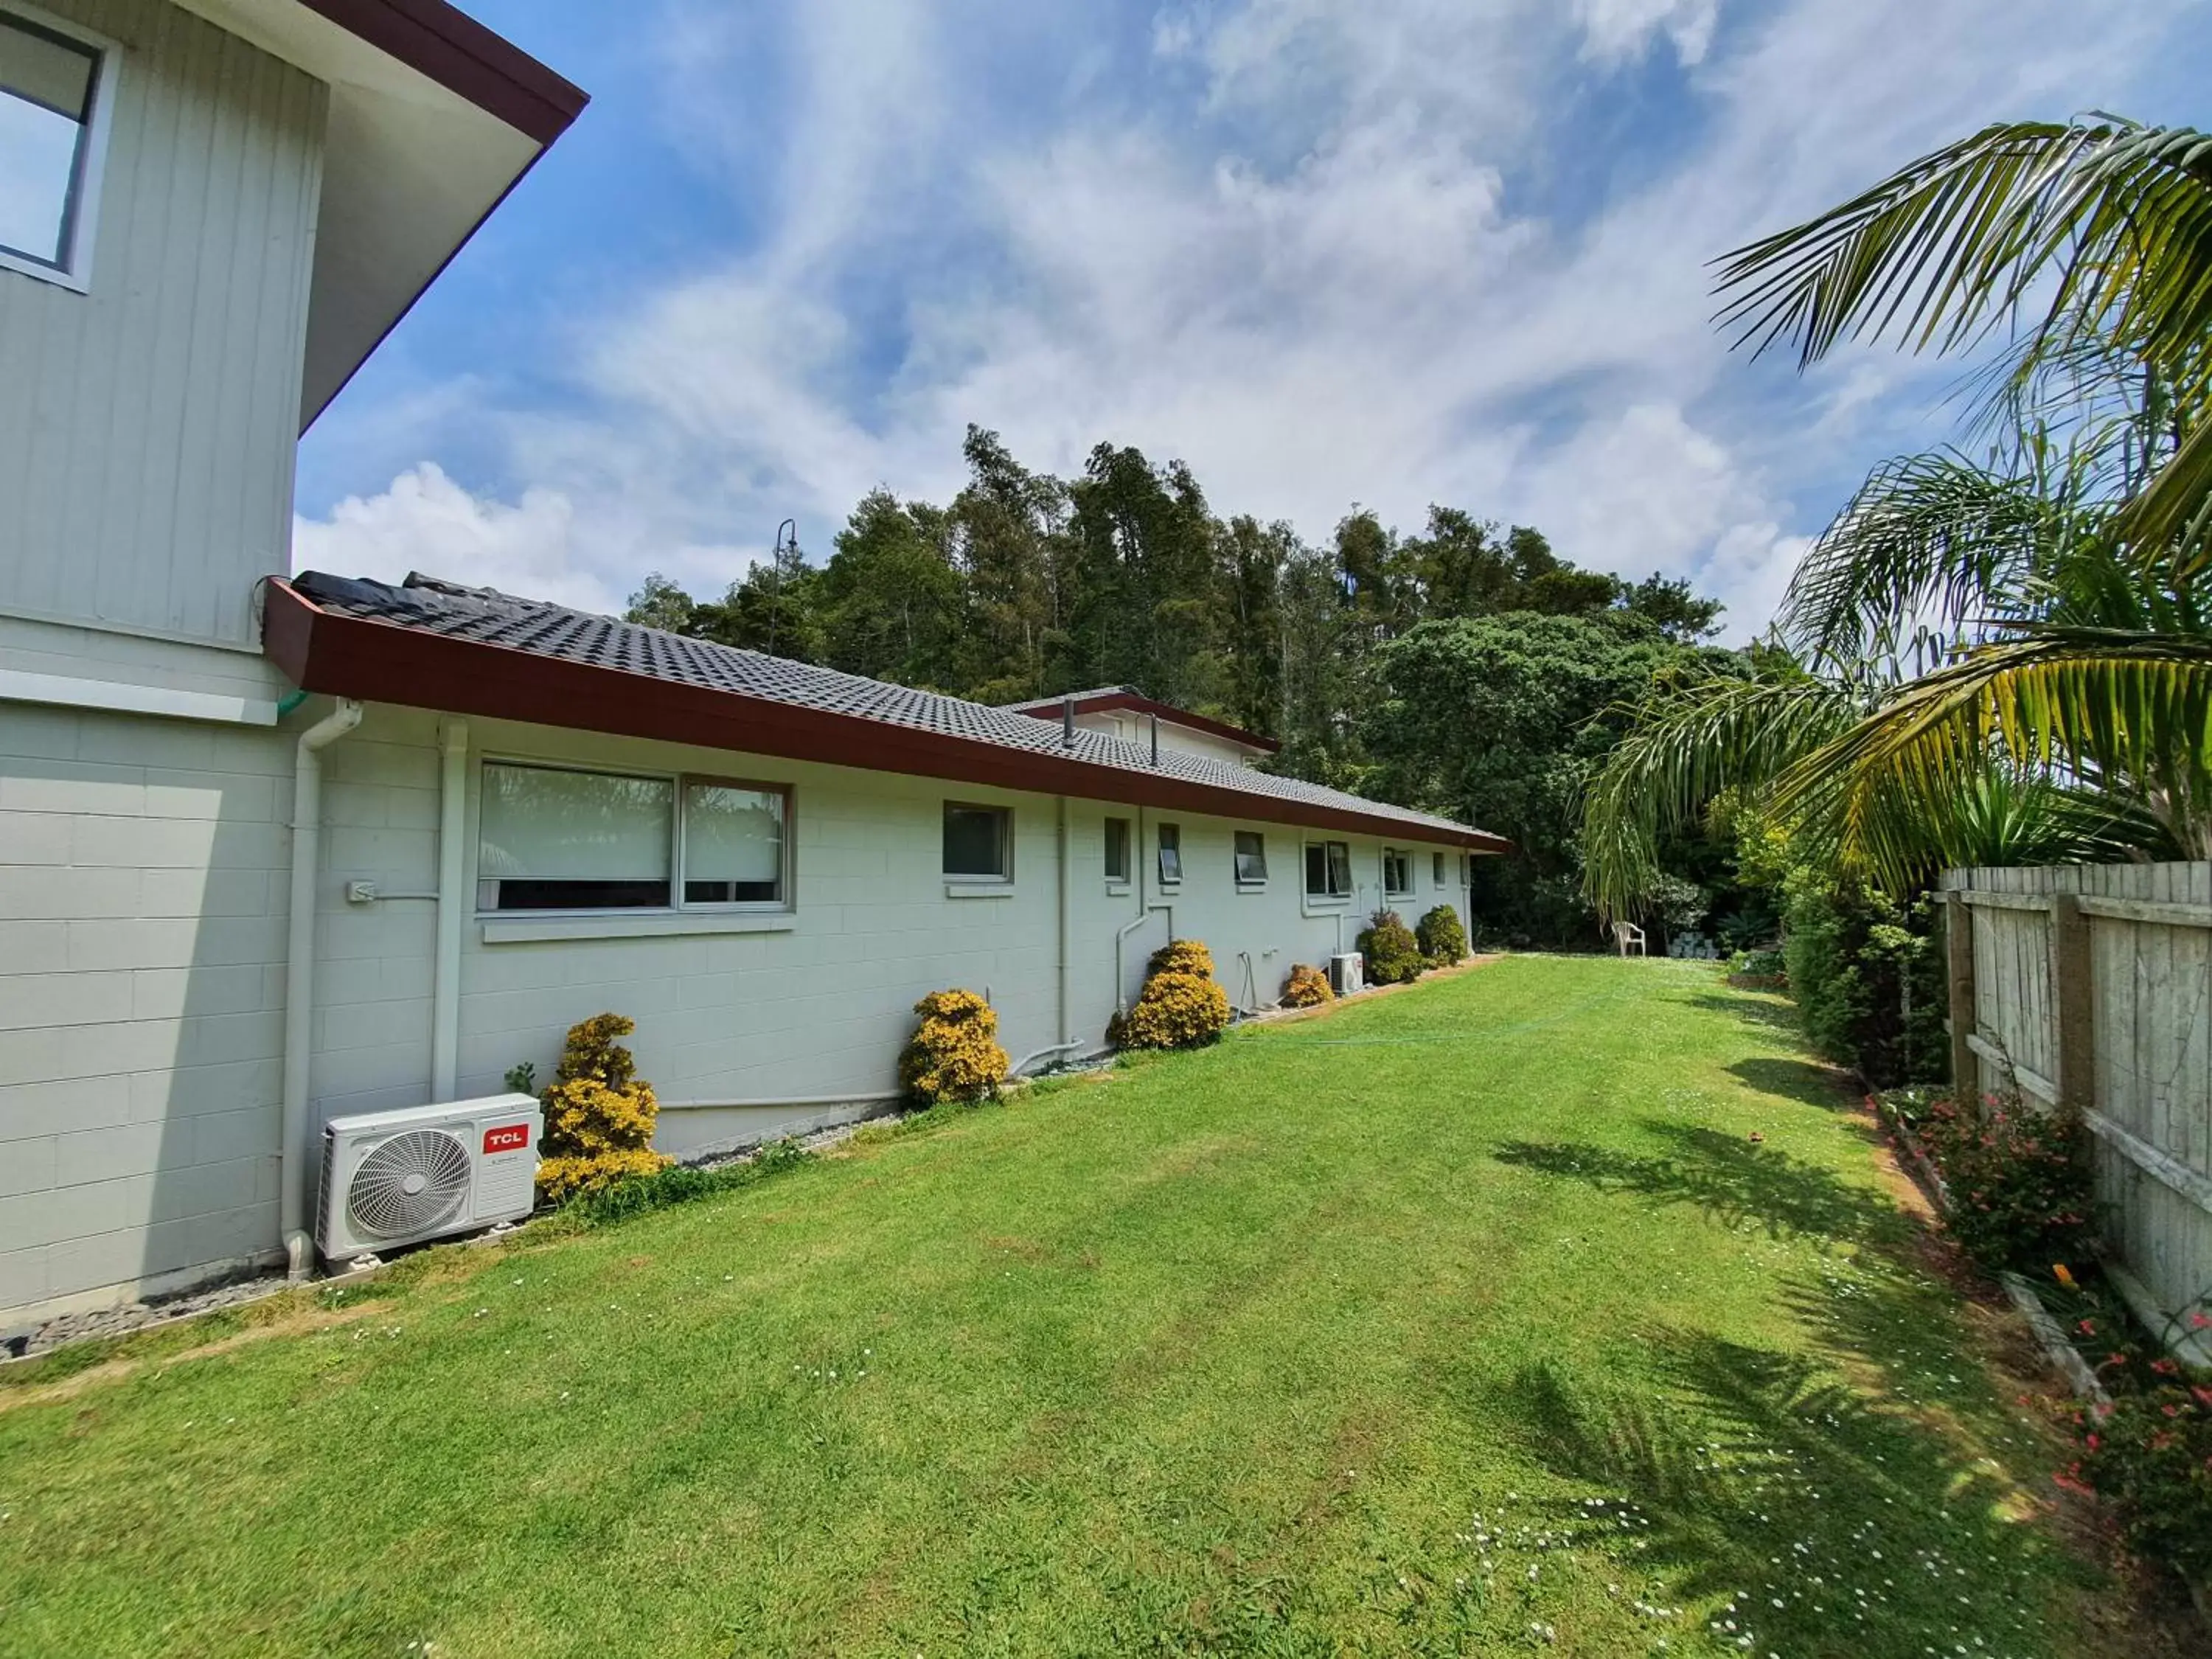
<point x="1627" y="935"/>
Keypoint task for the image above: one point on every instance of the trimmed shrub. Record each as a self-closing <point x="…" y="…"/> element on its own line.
<point x="1442" y="937"/>
<point x="599" y="1114"/>
<point x="1306" y="987"/>
<point x="954" y="1053"/>
<point x="1182" y="955"/>
<point x="1389" y="953"/>
<point x="1180" y="1007"/>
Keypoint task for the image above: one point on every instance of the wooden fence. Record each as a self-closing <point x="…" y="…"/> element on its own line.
<point x="2090" y="987"/>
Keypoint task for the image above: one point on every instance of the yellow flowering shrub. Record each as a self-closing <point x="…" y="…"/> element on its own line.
<point x="1306" y="987"/>
<point x="954" y="1053"/>
<point x="599" y="1115"/>
<point x="1180" y="1007"/>
<point x="1182" y="955"/>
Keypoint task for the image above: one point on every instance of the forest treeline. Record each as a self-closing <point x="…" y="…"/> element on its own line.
<point x="1465" y="669"/>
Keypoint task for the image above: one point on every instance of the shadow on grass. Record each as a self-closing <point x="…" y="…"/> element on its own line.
<point x="1736" y="1182"/>
<point x="1759" y="1008"/>
<point x="1835" y="1526"/>
<point x="1807" y="1080"/>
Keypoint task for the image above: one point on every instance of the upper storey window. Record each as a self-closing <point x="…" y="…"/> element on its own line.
<point x="54" y="95"/>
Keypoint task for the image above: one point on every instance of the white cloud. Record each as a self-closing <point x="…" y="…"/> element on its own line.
<point x="427" y="522"/>
<point x="1314" y="250"/>
<point x="1617" y="29"/>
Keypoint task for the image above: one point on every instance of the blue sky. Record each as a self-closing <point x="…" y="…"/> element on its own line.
<point x="1330" y="253"/>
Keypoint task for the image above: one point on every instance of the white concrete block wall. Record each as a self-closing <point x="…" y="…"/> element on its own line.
<point x="143" y="880"/>
<point x="142" y="948"/>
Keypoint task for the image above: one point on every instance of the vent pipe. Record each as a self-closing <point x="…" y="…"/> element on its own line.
<point x="1067" y="722"/>
<point x="1156" y="739"/>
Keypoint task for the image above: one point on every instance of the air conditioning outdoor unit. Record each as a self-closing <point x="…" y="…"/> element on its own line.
<point x="1347" y="972"/>
<point x="394" y="1178"/>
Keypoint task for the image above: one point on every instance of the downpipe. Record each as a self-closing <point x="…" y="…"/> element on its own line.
<point x="300" y="976"/>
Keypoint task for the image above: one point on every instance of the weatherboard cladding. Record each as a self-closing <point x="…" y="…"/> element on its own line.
<point x="484" y="617"/>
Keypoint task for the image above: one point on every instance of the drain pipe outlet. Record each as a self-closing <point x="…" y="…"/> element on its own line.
<point x="300" y="974"/>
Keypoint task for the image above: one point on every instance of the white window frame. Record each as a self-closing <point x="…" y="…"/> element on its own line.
<point x="75" y="271"/>
<point x="1160" y="833"/>
<point x="1118" y="883"/>
<point x="1388" y="891"/>
<point x="1249" y="884"/>
<point x="1004" y="875"/>
<point x="1327" y="867"/>
<point x="677" y="782"/>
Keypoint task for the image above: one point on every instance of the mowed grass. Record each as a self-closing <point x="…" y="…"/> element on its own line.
<point x="1464" y="1320"/>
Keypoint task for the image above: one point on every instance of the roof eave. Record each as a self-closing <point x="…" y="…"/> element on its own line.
<point x="1139" y="703"/>
<point x="377" y="661"/>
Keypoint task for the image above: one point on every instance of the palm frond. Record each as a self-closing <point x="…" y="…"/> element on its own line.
<point x="1692" y="736"/>
<point x="1926" y="543"/>
<point x="2128" y="713"/>
<point x="2118" y="215"/>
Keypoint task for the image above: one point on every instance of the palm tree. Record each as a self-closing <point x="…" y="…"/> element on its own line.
<point x="2003" y="656"/>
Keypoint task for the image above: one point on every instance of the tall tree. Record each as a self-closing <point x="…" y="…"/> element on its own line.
<point x="891" y="599"/>
<point x="1145" y="610"/>
<point x="1010" y="527"/>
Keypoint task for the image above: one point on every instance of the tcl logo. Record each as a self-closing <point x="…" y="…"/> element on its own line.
<point x="507" y="1138"/>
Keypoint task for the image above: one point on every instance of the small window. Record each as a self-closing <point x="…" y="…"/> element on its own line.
<point x="554" y="840"/>
<point x="1397" y="873"/>
<point x="1251" y="858"/>
<point x="732" y="844"/>
<point x="1329" y="869"/>
<point x="1436" y="868"/>
<point x="53" y="100"/>
<point x="978" y="843"/>
<point x="1170" y="852"/>
<point x="1117" y="850"/>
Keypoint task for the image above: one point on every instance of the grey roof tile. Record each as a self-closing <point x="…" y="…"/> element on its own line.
<point x="487" y="616"/>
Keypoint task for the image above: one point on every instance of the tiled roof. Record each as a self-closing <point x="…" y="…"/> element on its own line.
<point x="485" y="617"/>
<point x="1053" y="702"/>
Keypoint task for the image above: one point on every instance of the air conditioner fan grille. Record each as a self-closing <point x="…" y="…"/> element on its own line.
<point x="415" y="1182"/>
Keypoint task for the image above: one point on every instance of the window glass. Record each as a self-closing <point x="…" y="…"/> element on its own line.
<point x="1397" y="871"/>
<point x="553" y="839"/>
<point x="1251" y="856"/>
<point x="1437" y="867"/>
<point x="732" y="844"/>
<point x="1170" y="852"/>
<point x="976" y="843"/>
<point x="1117" y="850"/>
<point x="47" y="82"/>
<point x="1329" y="869"/>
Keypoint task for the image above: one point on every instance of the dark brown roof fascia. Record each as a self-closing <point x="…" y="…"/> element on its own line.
<point x="377" y="661"/>
<point x="466" y="59"/>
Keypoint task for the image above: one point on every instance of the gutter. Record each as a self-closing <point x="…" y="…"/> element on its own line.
<point x="300" y="976"/>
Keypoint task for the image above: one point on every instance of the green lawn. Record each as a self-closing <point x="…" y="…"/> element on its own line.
<point x="1466" y="1320"/>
